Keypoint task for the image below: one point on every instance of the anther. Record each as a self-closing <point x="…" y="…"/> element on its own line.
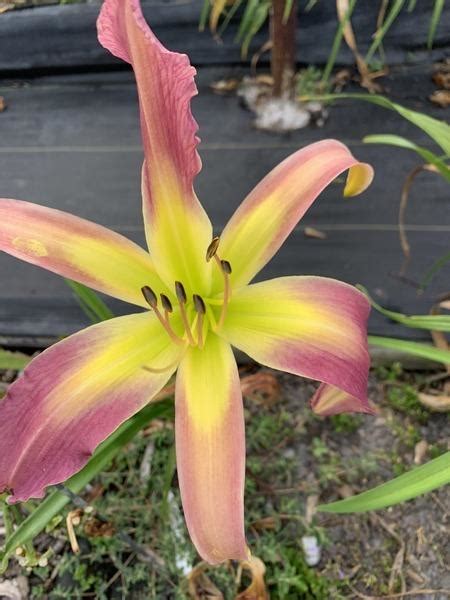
<point x="166" y="303"/>
<point x="226" y="267"/>
<point x="212" y="248"/>
<point x="199" y="304"/>
<point x="152" y="299"/>
<point x="150" y="296"/>
<point x="180" y="292"/>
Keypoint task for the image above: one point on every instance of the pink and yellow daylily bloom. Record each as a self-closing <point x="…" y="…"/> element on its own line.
<point x="199" y="303"/>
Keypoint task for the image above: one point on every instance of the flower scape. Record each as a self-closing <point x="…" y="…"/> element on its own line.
<point x="198" y="300"/>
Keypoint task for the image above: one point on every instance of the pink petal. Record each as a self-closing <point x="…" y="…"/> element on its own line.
<point x="309" y="326"/>
<point x="77" y="249"/>
<point x="178" y="229"/>
<point x="210" y="444"/>
<point x="74" y="395"/>
<point x="330" y="400"/>
<point x="271" y="211"/>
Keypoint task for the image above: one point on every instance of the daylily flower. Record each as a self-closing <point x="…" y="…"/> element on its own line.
<point x="199" y="303"/>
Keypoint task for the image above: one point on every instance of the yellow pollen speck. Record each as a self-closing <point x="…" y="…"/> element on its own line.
<point x="30" y="246"/>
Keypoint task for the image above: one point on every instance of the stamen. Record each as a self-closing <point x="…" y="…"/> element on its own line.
<point x="167" y="304"/>
<point x="150" y="296"/>
<point x="212" y="248"/>
<point x="201" y="310"/>
<point x="180" y="292"/>
<point x="152" y="300"/>
<point x="163" y="370"/>
<point x="182" y="299"/>
<point x="225" y="267"/>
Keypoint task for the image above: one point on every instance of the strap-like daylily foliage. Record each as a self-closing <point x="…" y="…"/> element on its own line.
<point x="199" y="303"/>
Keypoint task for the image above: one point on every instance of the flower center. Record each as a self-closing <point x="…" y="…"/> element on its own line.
<point x="198" y="314"/>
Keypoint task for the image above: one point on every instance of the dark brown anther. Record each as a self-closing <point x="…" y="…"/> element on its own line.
<point x="226" y="267"/>
<point x="150" y="296"/>
<point x="166" y="303"/>
<point x="199" y="304"/>
<point x="212" y="248"/>
<point x="180" y="292"/>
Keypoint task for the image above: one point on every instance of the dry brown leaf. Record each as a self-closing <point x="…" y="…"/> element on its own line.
<point x="200" y="586"/>
<point x="442" y="79"/>
<point x="2" y="100"/>
<point x="96" y="528"/>
<point x="225" y="86"/>
<point x="435" y="403"/>
<point x="263" y="388"/>
<point x="441" y="98"/>
<point x="257" y="589"/>
<point x="420" y="450"/>
<point x="315" y="233"/>
<point x="366" y="75"/>
<point x="265" y="524"/>
<point x="4" y="6"/>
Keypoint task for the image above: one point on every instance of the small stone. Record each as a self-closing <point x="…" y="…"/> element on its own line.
<point x="311" y="550"/>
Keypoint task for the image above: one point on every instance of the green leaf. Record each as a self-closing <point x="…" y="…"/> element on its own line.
<point x="401" y="142"/>
<point x="206" y="8"/>
<point x="419" y="480"/>
<point x="415" y="348"/>
<point x="104" y="454"/>
<point x="259" y="17"/>
<point x="13" y="360"/>
<point x="90" y="302"/>
<point x="435" y="18"/>
<point x="435" y="268"/>
<point x="287" y="10"/>
<point x="337" y="44"/>
<point x="247" y="19"/>
<point x="381" y="32"/>
<point x="439" y="131"/>
<point x="430" y="322"/>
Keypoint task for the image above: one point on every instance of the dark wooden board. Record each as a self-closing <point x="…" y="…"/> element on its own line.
<point x="73" y="143"/>
<point x="64" y="36"/>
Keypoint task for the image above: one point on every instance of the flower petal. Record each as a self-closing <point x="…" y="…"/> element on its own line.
<point x="270" y="212"/>
<point x="77" y="249"/>
<point x="309" y="326"/>
<point x="76" y="393"/>
<point x="210" y="444"/>
<point x="330" y="400"/>
<point x="178" y="229"/>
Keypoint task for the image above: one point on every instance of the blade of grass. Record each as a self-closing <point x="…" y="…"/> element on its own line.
<point x="435" y="268"/>
<point x="435" y="18"/>
<point x="336" y="45"/>
<point x="287" y="10"/>
<point x="13" y="360"/>
<point x="379" y="35"/>
<point x="90" y="302"/>
<point x="204" y="15"/>
<point x="439" y="131"/>
<point x="55" y="502"/>
<point x="431" y="322"/>
<point x="419" y="480"/>
<point x="415" y="348"/>
<point x="401" y="142"/>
